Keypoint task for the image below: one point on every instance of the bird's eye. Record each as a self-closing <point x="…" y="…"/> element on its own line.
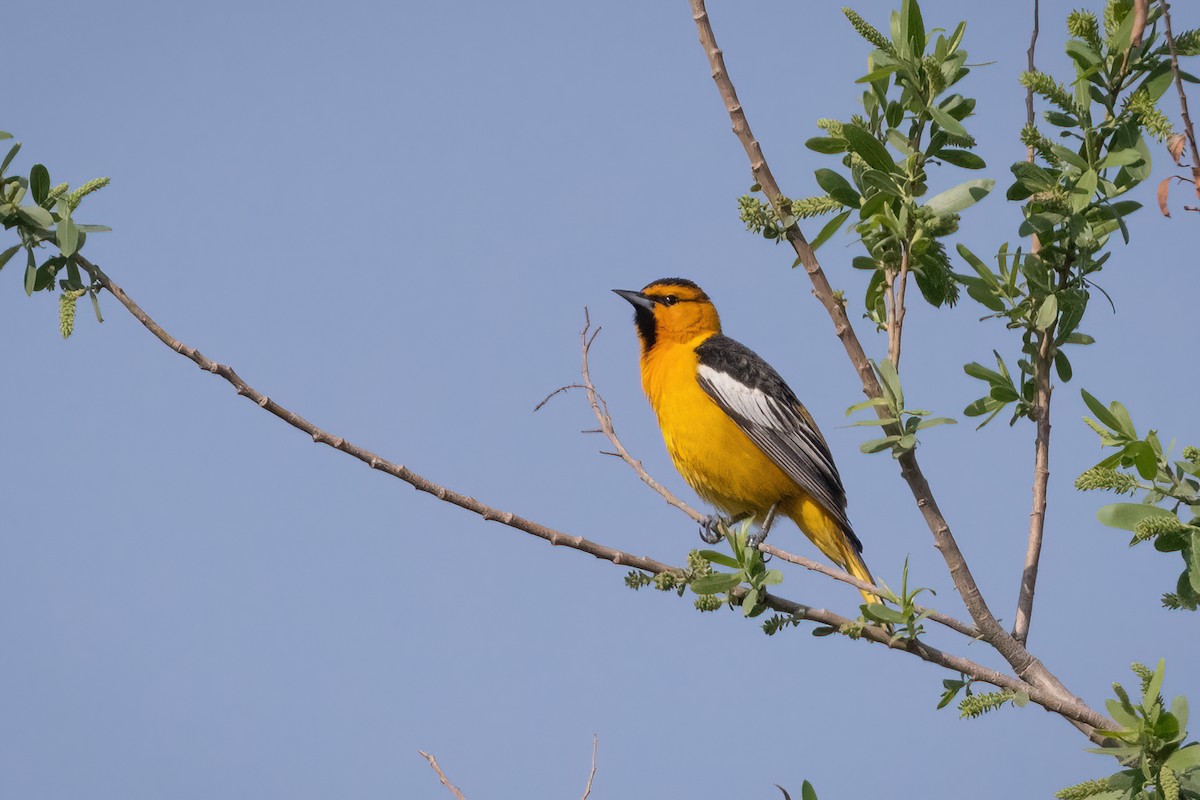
<point x="670" y="300"/>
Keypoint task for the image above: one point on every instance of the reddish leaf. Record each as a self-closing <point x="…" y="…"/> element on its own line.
<point x="1175" y="144"/>
<point x="1164" y="188"/>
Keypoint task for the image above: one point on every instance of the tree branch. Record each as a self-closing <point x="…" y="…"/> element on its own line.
<point x="441" y="775"/>
<point x="1023" y="663"/>
<point x="1183" y="105"/>
<point x="845" y="577"/>
<point x="592" y="775"/>
<point x="1070" y="708"/>
<point x="1041" y="458"/>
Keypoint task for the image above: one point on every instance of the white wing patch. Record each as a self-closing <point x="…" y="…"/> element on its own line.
<point x="784" y="435"/>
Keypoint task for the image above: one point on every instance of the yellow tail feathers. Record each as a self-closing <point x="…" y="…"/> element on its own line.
<point x="831" y="540"/>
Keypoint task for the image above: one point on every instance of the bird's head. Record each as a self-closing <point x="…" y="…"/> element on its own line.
<point x="671" y="310"/>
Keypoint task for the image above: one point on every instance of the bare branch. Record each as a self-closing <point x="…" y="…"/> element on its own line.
<point x="1041" y="410"/>
<point x="441" y="775"/>
<point x="600" y="409"/>
<point x="1022" y="662"/>
<point x="1183" y="104"/>
<point x="845" y="577"/>
<point x="554" y="537"/>
<point x="591" y="776"/>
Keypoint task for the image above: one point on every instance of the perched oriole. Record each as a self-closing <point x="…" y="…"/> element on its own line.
<point x="734" y="429"/>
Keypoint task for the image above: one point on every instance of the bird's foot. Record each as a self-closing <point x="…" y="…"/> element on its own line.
<point x="761" y="536"/>
<point x="711" y="529"/>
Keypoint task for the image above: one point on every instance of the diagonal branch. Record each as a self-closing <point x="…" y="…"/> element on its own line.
<point x="845" y="577"/>
<point x="441" y="775"/>
<point x="1022" y="662"/>
<point x="1041" y="410"/>
<point x="1183" y="104"/>
<point x="1072" y="709"/>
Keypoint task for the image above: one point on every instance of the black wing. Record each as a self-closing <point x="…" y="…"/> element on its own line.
<point x="753" y="394"/>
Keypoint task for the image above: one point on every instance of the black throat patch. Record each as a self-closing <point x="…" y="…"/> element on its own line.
<point x="644" y="317"/>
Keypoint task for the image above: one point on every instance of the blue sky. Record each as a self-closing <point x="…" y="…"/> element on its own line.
<point x="389" y="217"/>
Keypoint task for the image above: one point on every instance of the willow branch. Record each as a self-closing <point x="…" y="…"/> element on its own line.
<point x="441" y="775"/>
<point x="845" y="577"/>
<point x="1070" y="708"/>
<point x="604" y="420"/>
<point x="1183" y="104"/>
<point x="1041" y="409"/>
<point x="1023" y="663"/>
<point x="592" y="775"/>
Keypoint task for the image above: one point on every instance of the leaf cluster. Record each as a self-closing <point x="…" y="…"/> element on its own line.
<point x="750" y="575"/>
<point x="48" y="219"/>
<point x="908" y="420"/>
<point x="1149" y="743"/>
<point x="1170" y="489"/>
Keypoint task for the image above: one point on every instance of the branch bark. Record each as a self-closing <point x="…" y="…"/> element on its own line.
<point x="1183" y="104"/>
<point x="1041" y="447"/>
<point x="1023" y="663"/>
<point x="441" y="775"/>
<point x="1072" y="709"/>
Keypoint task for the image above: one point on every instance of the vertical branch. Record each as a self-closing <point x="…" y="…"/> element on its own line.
<point x="898" y="309"/>
<point x="1041" y="410"/>
<point x="1183" y="105"/>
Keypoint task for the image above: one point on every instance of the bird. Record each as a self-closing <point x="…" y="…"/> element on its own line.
<point x="733" y="427"/>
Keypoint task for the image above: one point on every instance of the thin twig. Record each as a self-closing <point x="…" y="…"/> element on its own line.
<point x="845" y="577"/>
<point x="1041" y="409"/>
<point x="1071" y="708"/>
<point x="1022" y="662"/>
<point x="604" y="419"/>
<point x="592" y="775"/>
<point x="1183" y="104"/>
<point x="901" y="285"/>
<point x="441" y="775"/>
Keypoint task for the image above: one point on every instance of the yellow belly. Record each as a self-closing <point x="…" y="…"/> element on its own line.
<point x="711" y="453"/>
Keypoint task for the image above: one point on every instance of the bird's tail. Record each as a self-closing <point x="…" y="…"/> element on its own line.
<point x="838" y="545"/>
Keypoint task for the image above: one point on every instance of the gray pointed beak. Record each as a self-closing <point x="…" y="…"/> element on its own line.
<point x="638" y="299"/>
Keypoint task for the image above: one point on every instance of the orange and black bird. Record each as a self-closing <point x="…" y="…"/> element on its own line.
<point x="736" y="432"/>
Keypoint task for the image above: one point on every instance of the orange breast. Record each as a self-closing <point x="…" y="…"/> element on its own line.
<point x="709" y="450"/>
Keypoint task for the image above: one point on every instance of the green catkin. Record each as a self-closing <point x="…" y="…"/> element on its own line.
<point x="867" y="31"/>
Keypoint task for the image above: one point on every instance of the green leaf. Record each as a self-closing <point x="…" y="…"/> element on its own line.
<point x="1117" y="711"/>
<point x="1193" y="562"/>
<point x="772" y="577"/>
<point x="826" y="144"/>
<point x="960" y="158"/>
<point x="837" y="187"/>
<point x="1102" y="413"/>
<point x="874" y="401"/>
<point x="1084" y="190"/>
<point x="1144" y="458"/>
<point x="39" y="183"/>
<point x="962" y="196"/>
<point x="16" y="148"/>
<point x="37" y="216"/>
<point x="716" y="583"/>
<point x="876" y="445"/>
<point x="1126" y="516"/>
<point x="1062" y="366"/>
<point x="1184" y="758"/>
<point x="7" y="254"/>
<point x="862" y="142"/>
<point x="807" y="792"/>
<point x="1150" y="696"/>
<point x="946" y="122"/>
<point x="30" y="272"/>
<point x="68" y="236"/>
<point x="881" y="613"/>
<point x="749" y="601"/>
<point x="876" y="74"/>
<point x="929" y="423"/>
<point x="1047" y="313"/>
<point x="719" y="558"/>
<point x="830" y="229"/>
<point x="1121" y="158"/>
<point x="5" y="135"/>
